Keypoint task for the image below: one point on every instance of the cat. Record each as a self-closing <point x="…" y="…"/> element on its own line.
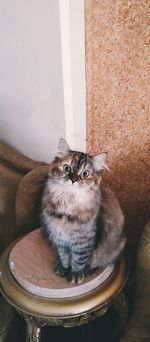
<point x="81" y="218"/>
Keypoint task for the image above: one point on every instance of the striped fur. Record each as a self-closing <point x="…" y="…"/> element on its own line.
<point x="83" y="220"/>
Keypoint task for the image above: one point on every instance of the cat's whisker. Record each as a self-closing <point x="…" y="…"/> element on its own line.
<point x="42" y="184"/>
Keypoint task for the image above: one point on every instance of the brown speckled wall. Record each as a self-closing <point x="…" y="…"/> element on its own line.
<point x="118" y="89"/>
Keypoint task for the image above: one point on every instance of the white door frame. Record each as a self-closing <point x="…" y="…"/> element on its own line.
<point x="72" y="27"/>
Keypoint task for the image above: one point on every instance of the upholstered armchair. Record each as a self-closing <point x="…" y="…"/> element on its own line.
<point x="138" y="327"/>
<point x="21" y="185"/>
<point x="15" y="219"/>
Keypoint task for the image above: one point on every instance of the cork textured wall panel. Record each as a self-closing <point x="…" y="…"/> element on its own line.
<point x="118" y="89"/>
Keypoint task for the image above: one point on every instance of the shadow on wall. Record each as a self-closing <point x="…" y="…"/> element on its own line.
<point x="130" y="179"/>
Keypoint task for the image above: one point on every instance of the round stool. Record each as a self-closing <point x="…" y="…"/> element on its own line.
<point x="29" y="283"/>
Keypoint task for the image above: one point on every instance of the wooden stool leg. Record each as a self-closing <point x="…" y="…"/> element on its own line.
<point x="121" y="306"/>
<point x="33" y="332"/>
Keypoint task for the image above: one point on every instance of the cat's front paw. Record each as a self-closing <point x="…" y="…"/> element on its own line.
<point x="61" y="271"/>
<point x="76" y="279"/>
<point x="92" y="270"/>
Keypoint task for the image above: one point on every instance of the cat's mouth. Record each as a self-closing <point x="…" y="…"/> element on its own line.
<point x="73" y="183"/>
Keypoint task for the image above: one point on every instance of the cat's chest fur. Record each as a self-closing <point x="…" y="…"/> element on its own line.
<point x="73" y="200"/>
<point x="69" y="212"/>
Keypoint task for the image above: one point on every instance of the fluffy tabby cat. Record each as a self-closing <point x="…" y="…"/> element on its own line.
<point x="81" y="218"/>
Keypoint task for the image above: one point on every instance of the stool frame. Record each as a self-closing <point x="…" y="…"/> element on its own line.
<point x="68" y="312"/>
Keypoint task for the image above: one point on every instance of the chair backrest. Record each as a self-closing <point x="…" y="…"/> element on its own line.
<point x="14" y="167"/>
<point x="28" y="200"/>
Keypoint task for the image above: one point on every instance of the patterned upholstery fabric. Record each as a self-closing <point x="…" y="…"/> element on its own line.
<point x="14" y="167"/>
<point x="9" y="180"/>
<point x="138" y="329"/>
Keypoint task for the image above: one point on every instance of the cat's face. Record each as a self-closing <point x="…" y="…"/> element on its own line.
<point x="76" y="169"/>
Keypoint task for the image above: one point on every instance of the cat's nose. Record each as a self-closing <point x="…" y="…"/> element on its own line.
<point x="73" y="178"/>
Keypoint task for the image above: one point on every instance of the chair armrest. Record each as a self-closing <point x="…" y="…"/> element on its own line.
<point x="28" y="200"/>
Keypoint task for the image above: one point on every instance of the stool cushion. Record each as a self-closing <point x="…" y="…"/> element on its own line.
<point x="32" y="262"/>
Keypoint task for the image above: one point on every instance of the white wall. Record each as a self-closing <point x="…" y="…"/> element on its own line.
<point x="42" y="75"/>
<point x="31" y="89"/>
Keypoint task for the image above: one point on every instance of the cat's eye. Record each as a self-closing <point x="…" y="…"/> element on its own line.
<point x="84" y="173"/>
<point x="67" y="168"/>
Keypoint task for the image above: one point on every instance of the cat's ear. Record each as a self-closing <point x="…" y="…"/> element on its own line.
<point x="63" y="148"/>
<point x="99" y="161"/>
